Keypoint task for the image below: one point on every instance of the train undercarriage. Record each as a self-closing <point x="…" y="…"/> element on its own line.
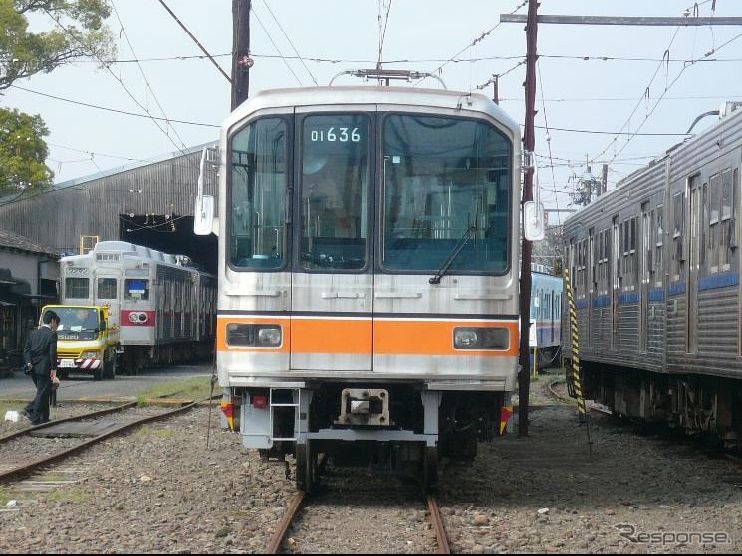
<point x="693" y="404"/>
<point x="401" y="429"/>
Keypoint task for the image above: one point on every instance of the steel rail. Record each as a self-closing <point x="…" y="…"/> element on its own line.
<point x="440" y="530"/>
<point x="29" y="468"/>
<point x="277" y="539"/>
<point x="91" y="415"/>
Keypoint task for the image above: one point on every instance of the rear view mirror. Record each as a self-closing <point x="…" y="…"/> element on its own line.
<point x="203" y="215"/>
<point x="534" y="228"/>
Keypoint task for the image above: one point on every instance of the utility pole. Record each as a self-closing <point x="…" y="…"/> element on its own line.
<point x="529" y="143"/>
<point x="241" y="61"/>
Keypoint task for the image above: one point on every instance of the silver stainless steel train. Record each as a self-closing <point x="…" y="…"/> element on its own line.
<point x="164" y="307"/>
<point x="546" y="316"/>
<point x="655" y="266"/>
<point x="368" y="273"/>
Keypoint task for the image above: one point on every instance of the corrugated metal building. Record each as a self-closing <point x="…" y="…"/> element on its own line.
<point x="147" y="203"/>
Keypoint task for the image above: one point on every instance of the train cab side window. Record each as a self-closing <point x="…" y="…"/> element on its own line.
<point x="136" y="289"/>
<point x="257" y="195"/>
<point x="77" y="288"/>
<point x="107" y="288"/>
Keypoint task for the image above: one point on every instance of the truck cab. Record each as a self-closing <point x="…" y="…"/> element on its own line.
<point x="87" y="341"/>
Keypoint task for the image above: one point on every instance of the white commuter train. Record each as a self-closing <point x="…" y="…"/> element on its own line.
<point x="165" y="309"/>
<point x="368" y="273"/>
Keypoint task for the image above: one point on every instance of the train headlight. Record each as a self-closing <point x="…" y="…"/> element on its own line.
<point x="91" y="355"/>
<point x="254" y="335"/>
<point x="269" y="336"/>
<point x="465" y="338"/>
<point x="481" y="338"/>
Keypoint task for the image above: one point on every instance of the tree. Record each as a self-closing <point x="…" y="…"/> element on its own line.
<point x="78" y="33"/>
<point x="22" y="152"/>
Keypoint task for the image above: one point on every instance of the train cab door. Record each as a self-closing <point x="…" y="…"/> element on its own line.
<point x="332" y="285"/>
<point x="696" y="244"/>
<point x="108" y="292"/>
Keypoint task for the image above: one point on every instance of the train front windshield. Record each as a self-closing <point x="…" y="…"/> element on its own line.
<point x="443" y="187"/>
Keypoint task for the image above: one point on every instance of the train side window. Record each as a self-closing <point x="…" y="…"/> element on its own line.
<point x="136" y="289"/>
<point x="714" y="219"/>
<point x="77" y="288"/>
<point x="659" y="239"/>
<point x="678" y="217"/>
<point x="107" y="288"/>
<point x="727" y="221"/>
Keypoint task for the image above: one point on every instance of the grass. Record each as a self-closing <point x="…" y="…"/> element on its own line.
<point x="8" y="406"/>
<point x="191" y="388"/>
<point x="73" y="495"/>
<point x="162" y="433"/>
<point x="3" y="496"/>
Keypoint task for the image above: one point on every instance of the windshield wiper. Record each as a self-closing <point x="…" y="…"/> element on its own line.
<point x="468" y="234"/>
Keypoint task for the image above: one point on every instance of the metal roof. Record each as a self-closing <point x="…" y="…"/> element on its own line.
<point x="14" y="241"/>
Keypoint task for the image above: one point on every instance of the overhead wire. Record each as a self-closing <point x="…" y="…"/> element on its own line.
<point x="270" y="37"/>
<point x="115" y="110"/>
<point x="476" y="41"/>
<point x="382" y="32"/>
<point x="144" y="76"/>
<point x="117" y="78"/>
<point x="265" y="3"/>
<point x="548" y="137"/>
<point x="667" y="88"/>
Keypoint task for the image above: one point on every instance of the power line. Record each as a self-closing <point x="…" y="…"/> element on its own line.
<point x="477" y="40"/>
<point x="382" y="33"/>
<point x="115" y="110"/>
<point x="206" y="52"/>
<point x="290" y="42"/>
<point x="285" y="60"/>
<point x="144" y="76"/>
<point x="117" y="78"/>
<point x="548" y="137"/>
<point x="667" y="88"/>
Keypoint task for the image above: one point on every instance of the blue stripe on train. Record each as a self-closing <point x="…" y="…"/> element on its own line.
<point x="676" y="288"/>
<point x="656" y="295"/>
<point x="602" y="301"/>
<point x="718" y="281"/>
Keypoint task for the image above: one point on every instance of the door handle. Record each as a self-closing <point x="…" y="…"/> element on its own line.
<point x="343" y="295"/>
<point x="398" y="295"/>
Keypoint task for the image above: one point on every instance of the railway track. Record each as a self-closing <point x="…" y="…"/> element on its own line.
<point x="24" y="450"/>
<point x="301" y="502"/>
<point x="367" y="495"/>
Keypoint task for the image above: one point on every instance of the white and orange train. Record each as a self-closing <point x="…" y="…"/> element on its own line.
<point x="368" y="274"/>
<point x="165" y="308"/>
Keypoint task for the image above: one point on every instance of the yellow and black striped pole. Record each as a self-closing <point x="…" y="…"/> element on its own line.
<point x="575" y="333"/>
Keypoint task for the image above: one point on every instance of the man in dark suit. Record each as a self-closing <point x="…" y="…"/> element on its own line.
<point x="40" y="356"/>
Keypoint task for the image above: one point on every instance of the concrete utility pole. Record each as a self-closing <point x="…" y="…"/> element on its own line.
<point x="241" y="61"/>
<point x="529" y="143"/>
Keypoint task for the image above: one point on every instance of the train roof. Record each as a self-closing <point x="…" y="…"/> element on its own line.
<point x="678" y="149"/>
<point x="388" y="96"/>
<point x="132" y="251"/>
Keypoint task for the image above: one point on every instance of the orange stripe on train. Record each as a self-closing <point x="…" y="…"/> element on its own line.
<point x="364" y="336"/>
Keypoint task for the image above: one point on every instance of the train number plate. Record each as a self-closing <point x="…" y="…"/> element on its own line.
<point x="67" y="363"/>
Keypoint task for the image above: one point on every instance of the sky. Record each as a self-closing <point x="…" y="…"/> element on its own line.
<point x="627" y="85"/>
